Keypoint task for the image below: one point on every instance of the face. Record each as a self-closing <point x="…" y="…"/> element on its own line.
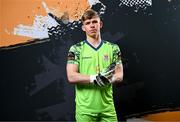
<point x="92" y="26"/>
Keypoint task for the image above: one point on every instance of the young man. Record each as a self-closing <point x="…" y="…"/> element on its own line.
<point x="93" y="65"/>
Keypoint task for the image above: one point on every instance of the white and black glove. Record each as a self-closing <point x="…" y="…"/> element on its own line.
<point x="105" y="77"/>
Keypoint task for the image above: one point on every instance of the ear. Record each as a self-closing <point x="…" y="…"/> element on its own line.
<point x="83" y="27"/>
<point x="101" y="24"/>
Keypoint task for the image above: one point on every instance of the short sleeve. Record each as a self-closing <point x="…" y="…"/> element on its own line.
<point x="116" y="54"/>
<point x="73" y="56"/>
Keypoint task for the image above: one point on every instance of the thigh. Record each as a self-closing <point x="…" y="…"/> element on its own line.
<point x="86" y="117"/>
<point x="109" y="116"/>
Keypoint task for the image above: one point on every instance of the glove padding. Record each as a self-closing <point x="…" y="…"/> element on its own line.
<point x="109" y="71"/>
<point x="105" y="77"/>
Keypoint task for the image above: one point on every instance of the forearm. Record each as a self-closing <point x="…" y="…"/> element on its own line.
<point x="118" y="76"/>
<point x="78" y="78"/>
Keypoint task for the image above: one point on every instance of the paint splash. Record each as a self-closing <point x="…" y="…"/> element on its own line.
<point x="50" y="18"/>
<point x="42" y="24"/>
<point x="139" y="3"/>
<point x="39" y="28"/>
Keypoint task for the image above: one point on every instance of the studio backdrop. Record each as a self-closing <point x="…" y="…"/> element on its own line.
<point x="35" y="37"/>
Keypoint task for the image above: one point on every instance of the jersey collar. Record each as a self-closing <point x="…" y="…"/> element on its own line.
<point x="93" y="46"/>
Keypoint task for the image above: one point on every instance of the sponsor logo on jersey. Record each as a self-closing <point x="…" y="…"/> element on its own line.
<point x="87" y="57"/>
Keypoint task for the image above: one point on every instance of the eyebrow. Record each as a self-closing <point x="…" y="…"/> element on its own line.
<point x="87" y="23"/>
<point x="93" y="21"/>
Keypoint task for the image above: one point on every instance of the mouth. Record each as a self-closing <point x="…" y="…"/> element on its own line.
<point x="93" y="31"/>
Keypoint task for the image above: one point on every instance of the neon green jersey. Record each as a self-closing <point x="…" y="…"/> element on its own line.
<point x="90" y="61"/>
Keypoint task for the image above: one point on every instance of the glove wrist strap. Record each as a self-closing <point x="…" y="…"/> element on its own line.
<point x="92" y="78"/>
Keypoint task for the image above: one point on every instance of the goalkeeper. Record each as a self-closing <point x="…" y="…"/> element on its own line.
<point x="93" y="65"/>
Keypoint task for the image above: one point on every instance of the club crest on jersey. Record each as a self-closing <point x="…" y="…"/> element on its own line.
<point x="106" y="57"/>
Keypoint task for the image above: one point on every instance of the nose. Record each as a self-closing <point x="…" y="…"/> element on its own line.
<point x="92" y="25"/>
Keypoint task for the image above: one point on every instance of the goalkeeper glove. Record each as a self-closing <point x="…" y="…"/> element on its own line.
<point x="104" y="77"/>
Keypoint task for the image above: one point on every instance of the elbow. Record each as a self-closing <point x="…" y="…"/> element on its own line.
<point x="120" y="78"/>
<point x="70" y="79"/>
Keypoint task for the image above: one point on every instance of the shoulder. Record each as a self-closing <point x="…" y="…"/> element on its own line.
<point x="77" y="46"/>
<point x="111" y="44"/>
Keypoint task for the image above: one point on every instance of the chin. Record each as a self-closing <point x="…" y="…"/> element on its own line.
<point x="93" y="35"/>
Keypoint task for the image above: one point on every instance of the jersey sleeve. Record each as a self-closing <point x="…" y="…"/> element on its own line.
<point x="116" y="54"/>
<point x="73" y="56"/>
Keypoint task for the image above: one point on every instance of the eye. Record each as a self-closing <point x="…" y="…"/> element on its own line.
<point x="94" y="21"/>
<point x="87" y="23"/>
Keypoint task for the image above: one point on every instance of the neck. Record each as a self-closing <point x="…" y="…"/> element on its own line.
<point x="95" y="41"/>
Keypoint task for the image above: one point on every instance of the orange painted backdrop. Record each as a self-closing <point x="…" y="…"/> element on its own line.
<point x="15" y="12"/>
<point x="164" y="116"/>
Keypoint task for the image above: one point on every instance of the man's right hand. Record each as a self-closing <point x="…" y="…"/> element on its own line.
<point x="102" y="78"/>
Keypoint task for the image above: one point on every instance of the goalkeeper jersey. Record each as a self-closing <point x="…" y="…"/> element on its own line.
<point x="90" y="61"/>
